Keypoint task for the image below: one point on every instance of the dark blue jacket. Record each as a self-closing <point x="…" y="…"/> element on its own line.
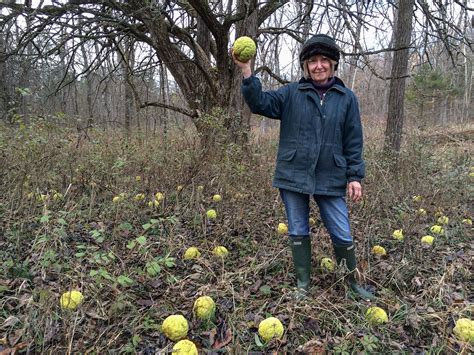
<point x="320" y="147"/>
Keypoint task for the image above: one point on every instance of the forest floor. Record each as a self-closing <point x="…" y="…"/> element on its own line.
<point x="61" y="229"/>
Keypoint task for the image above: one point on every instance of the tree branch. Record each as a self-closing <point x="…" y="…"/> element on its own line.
<point x="272" y="74"/>
<point x="268" y="9"/>
<point x="189" y="113"/>
<point x="206" y="15"/>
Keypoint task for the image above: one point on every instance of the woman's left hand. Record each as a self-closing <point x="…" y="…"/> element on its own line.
<point x="355" y="191"/>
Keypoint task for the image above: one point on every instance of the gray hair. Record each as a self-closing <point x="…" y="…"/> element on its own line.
<point x="306" y="73"/>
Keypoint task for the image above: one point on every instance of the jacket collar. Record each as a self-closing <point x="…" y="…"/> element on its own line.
<point x="305" y="84"/>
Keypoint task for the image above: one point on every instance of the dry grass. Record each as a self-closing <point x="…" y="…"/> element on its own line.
<point x="82" y="240"/>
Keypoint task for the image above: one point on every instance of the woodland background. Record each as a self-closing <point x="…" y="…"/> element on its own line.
<point x="151" y="65"/>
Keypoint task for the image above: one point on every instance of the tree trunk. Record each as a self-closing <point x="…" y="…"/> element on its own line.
<point x="128" y="59"/>
<point x="396" y="100"/>
<point x="164" y="98"/>
<point x="4" y="96"/>
<point x="89" y="93"/>
<point x="421" y="119"/>
<point x="22" y="100"/>
<point x="238" y="117"/>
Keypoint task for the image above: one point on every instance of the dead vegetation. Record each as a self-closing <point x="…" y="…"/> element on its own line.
<point x="60" y="230"/>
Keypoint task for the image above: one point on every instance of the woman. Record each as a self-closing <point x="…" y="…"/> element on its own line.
<point x="319" y="153"/>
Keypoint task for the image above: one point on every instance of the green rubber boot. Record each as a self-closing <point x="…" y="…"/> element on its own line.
<point x="347" y="253"/>
<point x="301" y="250"/>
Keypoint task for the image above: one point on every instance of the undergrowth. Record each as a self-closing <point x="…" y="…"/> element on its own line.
<point x="61" y="230"/>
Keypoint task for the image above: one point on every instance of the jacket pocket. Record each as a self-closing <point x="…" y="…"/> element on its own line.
<point x="285" y="169"/>
<point x="286" y="154"/>
<point x="340" y="161"/>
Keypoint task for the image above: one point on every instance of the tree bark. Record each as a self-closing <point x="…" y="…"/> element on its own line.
<point x="164" y="99"/>
<point x="4" y="96"/>
<point x="128" y="60"/>
<point x="238" y="113"/>
<point x="396" y="100"/>
<point x="22" y="99"/>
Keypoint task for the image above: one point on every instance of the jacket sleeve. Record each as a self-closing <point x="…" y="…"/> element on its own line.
<point x="353" y="142"/>
<point x="265" y="103"/>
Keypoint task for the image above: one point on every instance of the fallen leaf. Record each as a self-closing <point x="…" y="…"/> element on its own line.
<point x="15" y="336"/>
<point x="222" y="341"/>
<point x="313" y="347"/>
<point x="311" y="324"/>
<point x="156" y="283"/>
<point x="145" y="303"/>
<point x="255" y="287"/>
<point x="95" y="315"/>
<point x="212" y="335"/>
<point x="25" y="299"/>
<point x="9" y="322"/>
<point x="13" y="350"/>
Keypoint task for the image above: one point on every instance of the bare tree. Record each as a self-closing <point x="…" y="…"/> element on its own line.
<point x="396" y="101"/>
<point x="4" y="95"/>
<point x="190" y="38"/>
<point x="191" y="41"/>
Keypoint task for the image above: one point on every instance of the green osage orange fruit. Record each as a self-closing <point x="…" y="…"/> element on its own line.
<point x="244" y="49"/>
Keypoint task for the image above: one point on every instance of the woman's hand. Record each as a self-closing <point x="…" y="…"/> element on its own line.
<point x="355" y="191"/>
<point x="245" y="68"/>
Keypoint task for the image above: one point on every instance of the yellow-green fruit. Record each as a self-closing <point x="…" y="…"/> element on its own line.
<point x="437" y="229"/>
<point x="376" y="315"/>
<point x="427" y="239"/>
<point x="185" y="347"/>
<point x="200" y="188"/>
<point x="220" y="251"/>
<point x="139" y="197"/>
<point x="217" y="198"/>
<point x="244" y="48"/>
<point x="398" y="234"/>
<point x="71" y="299"/>
<point x="175" y="327"/>
<point x="192" y="253"/>
<point x="443" y="220"/>
<point x="282" y="228"/>
<point x="464" y="330"/>
<point x="57" y="196"/>
<point x="138" y="178"/>
<point x="421" y="212"/>
<point x="211" y="214"/>
<point x="327" y="264"/>
<point x="416" y="198"/>
<point x="379" y="250"/>
<point x="312" y="221"/>
<point x="467" y="221"/>
<point x="179" y="188"/>
<point x="270" y="328"/>
<point x="204" y="308"/>
<point x="159" y="196"/>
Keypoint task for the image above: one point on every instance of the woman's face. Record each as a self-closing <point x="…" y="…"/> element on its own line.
<point x="320" y="68"/>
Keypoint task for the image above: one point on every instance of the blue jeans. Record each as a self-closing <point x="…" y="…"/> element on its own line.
<point x="333" y="211"/>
